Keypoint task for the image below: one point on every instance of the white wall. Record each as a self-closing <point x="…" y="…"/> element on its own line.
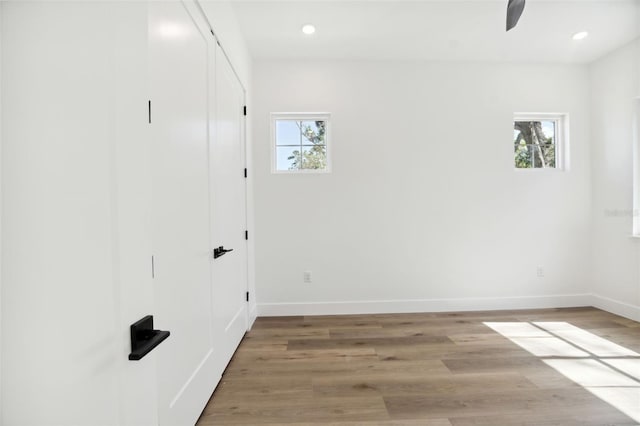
<point x="615" y="86"/>
<point x="423" y="209"/>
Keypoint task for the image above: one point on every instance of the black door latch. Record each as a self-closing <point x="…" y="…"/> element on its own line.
<point x="220" y="251"/>
<point x="144" y="338"/>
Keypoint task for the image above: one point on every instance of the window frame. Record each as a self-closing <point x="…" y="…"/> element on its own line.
<point x="561" y="121"/>
<point x="300" y="116"/>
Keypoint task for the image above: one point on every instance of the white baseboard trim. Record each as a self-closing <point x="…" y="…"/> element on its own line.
<point x="424" y="305"/>
<point x="615" y="307"/>
<point x="253" y="314"/>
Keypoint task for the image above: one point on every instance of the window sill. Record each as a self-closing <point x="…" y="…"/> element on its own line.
<point x="301" y="172"/>
<point x="540" y="169"/>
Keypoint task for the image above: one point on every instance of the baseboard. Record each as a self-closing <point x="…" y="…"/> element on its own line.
<point x="424" y="305"/>
<point x="253" y="314"/>
<point x="616" y="307"/>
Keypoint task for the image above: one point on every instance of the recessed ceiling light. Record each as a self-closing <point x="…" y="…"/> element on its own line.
<point x="308" y="29"/>
<point x="581" y="35"/>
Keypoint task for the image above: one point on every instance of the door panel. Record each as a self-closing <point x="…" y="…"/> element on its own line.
<point x="75" y="193"/>
<point x="179" y="82"/>
<point x="228" y="212"/>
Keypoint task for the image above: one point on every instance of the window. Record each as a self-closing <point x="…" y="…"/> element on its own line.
<point x="539" y="140"/>
<point x="300" y="142"/>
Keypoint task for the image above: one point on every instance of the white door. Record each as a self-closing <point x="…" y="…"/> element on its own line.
<point x="75" y="236"/>
<point x="228" y="206"/>
<point x="182" y="258"/>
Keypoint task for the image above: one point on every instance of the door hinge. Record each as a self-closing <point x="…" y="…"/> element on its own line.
<point x="149" y="111"/>
<point x="153" y="268"/>
<point x="246" y="235"/>
<point x="244" y="110"/>
<point x="247" y="296"/>
<point x="245" y="172"/>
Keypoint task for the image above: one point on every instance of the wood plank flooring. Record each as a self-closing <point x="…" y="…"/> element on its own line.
<point x="412" y="369"/>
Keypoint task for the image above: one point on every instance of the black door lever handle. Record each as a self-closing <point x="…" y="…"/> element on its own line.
<point x="220" y="251"/>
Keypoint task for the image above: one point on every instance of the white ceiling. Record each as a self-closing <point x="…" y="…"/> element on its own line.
<point x="440" y="30"/>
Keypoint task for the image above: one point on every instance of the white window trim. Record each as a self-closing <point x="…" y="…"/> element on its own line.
<point x="562" y="138"/>
<point x="302" y="116"/>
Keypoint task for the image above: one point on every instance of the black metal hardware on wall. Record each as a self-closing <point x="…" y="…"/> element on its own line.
<point x="149" y="112"/>
<point x="245" y="172"/>
<point x="246" y="235"/>
<point x="247" y="296"/>
<point x="220" y="251"/>
<point x="144" y="338"/>
<point x="245" y="110"/>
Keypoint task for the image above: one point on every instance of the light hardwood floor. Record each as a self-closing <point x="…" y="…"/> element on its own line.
<point x="430" y="370"/>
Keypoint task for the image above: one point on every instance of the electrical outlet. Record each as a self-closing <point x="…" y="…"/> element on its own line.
<point x="540" y="272"/>
<point x="307" y="276"/>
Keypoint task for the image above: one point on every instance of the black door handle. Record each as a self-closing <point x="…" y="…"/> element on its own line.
<point x="220" y="251"/>
<point x="144" y="338"/>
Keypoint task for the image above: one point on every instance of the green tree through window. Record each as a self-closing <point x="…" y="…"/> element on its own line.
<point x="535" y="144"/>
<point x="300" y="142"/>
<point x="315" y="157"/>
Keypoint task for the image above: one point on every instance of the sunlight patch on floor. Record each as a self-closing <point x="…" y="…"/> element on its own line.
<point x="517" y="329"/>
<point x="607" y="370"/>
<point x="587" y="341"/>
<point x="629" y="366"/>
<point x="626" y="400"/>
<point x="548" y="346"/>
<point x="590" y="372"/>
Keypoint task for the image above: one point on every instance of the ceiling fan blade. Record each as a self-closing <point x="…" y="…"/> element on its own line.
<point x="514" y="11"/>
